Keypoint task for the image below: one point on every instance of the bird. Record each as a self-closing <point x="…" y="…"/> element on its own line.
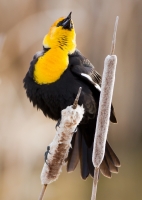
<point x="52" y="82"/>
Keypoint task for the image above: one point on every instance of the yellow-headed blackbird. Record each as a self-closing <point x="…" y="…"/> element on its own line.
<point x="52" y="83"/>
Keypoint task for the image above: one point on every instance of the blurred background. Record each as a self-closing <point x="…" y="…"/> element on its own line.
<point x="25" y="132"/>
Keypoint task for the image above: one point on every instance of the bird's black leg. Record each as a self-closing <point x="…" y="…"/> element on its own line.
<point x="46" y="154"/>
<point x="58" y="123"/>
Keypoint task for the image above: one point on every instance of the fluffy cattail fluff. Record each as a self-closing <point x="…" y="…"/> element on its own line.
<point x="61" y="144"/>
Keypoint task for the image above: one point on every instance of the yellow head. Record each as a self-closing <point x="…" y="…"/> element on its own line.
<point x="61" y="35"/>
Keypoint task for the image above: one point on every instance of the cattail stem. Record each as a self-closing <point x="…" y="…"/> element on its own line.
<point x="114" y="36"/>
<point x="42" y="192"/>
<point x="77" y="99"/>
<point x="59" y="148"/>
<point x="102" y="124"/>
<point x="95" y="183"/>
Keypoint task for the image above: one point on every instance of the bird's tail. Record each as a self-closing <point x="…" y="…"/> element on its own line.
<point x="80" y="151"/>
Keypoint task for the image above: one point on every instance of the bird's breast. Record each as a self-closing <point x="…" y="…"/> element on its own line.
<point x="50" y="66"/>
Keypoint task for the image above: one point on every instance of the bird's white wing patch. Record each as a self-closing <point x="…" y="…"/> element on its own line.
<point x="87" y="76"/>
<point x="90" y="79"/>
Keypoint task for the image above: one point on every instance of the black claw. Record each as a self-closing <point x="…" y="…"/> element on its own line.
<point x="46" y="154"/>
<point x="58" y="124"/>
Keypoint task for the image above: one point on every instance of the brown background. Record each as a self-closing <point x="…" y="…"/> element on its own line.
<point x="25" y="133"/>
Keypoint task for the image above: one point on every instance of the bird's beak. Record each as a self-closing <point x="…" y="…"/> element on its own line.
<point x="67" y="22"/>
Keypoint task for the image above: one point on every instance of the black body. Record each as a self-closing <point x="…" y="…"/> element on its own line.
<point x="54" y="97"/>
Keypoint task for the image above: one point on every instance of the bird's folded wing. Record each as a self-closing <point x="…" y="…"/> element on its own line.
<point x="82" y="67"/>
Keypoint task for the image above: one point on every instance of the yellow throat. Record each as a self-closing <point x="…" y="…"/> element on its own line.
<point x="50" y="66"/>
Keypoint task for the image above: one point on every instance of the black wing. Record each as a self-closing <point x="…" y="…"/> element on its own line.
<point x="83" y="68"/>
<point x="83" y="65"/>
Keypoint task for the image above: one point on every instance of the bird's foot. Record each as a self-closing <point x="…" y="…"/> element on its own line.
<point x="46" y="154"/>
<point x="58" y="124"/>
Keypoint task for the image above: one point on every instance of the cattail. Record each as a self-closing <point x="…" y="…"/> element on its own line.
<point x="103" y="118"/>
<point x="59" y="148"/>
<point x="104" y="109"/>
